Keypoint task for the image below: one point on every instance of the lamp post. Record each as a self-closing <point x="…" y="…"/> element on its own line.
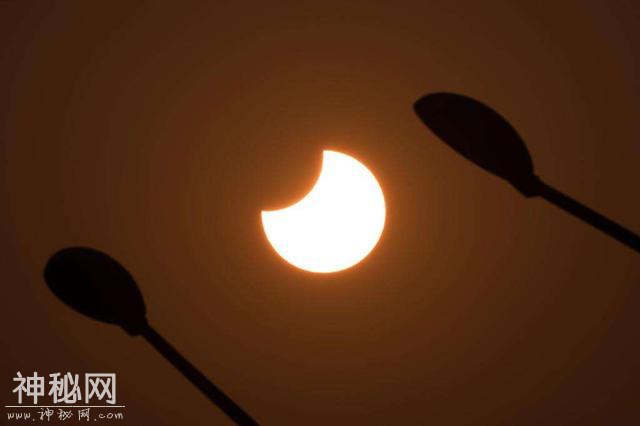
<point x="97" y="286"/>
<point x="485" y="138"/>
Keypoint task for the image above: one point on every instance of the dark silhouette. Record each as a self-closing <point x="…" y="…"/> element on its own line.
<point x="488" y="140"/>
<point x="97" y="286"/>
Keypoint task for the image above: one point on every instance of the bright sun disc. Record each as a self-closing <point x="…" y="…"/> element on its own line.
<point x="336" y="224"/>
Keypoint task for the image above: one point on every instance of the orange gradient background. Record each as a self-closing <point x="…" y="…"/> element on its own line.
<point x="158" y="133"/>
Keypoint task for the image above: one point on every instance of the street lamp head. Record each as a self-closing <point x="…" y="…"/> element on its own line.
<point x="481" y="135"/>
<point x="97" y="286"/>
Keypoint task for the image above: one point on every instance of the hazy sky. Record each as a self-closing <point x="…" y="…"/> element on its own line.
<point x="158" y="133"/>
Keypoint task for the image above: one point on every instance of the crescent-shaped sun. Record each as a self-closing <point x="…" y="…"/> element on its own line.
<point x="336" y="224"/>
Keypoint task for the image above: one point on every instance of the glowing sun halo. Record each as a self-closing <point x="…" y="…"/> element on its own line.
<point x="336" y="224"/>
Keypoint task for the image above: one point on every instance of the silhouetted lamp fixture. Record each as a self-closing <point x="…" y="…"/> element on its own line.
<point x="97" y="286"/>
<point x="481" y="135"/>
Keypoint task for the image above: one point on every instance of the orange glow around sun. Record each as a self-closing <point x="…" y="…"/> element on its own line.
<point x="336" y="224"/>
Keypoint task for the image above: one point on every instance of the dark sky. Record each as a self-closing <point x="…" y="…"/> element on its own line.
<point x="158" y="133"/>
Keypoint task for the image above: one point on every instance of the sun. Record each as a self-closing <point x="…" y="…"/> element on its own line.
<point x="336" y="224"/>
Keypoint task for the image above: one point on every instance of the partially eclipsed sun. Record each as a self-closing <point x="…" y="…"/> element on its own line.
<point x="336" y="224"/>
